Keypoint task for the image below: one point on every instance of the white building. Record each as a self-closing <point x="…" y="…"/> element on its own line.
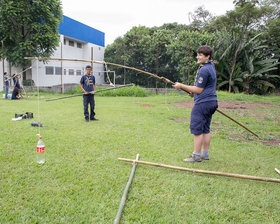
<point x="77" y="41"/>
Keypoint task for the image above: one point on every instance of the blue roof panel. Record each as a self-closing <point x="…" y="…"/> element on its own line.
<point x="72" y="28"/>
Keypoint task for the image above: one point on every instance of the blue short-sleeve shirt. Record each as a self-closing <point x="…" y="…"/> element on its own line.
<point x="207" y="79"/>
<point x="6" y="80"/>
<point x="88" y="82"/>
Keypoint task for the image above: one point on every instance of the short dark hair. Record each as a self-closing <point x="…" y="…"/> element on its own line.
<point x="206" y="50"/>
<point x="5" y="73"/>
<point x="88" y="66"/>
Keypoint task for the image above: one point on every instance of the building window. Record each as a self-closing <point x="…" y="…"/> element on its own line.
<point x="78" y="72"/>
<point x="71" y="43"/>
<point x="58" y="70"/>
<point x="65" y="71"/>
<point x="79" y="45"/>
<point x="49" y="70"/>
<point x="71" y="71"/>
<point x="65" y="41"/>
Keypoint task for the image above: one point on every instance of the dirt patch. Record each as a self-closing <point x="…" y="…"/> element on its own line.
<point x="215" y="123"/>
<point x="243" y="105"/>
<point x="271" y="142"/>
<point x="242" y="108"/>
<point x="184" y="104"/>
<point x="230" y="105"/>
<point x="267" y="142"/>
<point x="147" y="105"/>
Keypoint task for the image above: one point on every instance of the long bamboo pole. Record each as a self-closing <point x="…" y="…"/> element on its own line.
<point x="242" y="125"/>
<point x="80" y="94"/>
<point x="278" y="171"/>
<point x="124" y="196"/>
<point x="137" y="70"/>
<point x="267" y="179"/>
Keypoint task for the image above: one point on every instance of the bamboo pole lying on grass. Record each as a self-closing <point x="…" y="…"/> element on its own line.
<point x="118" y="216"/>
<point x="242" y="125"/>
<point x="278" y="171"/>
<point x="97" y="91"/>
<point x="267" y="179"/>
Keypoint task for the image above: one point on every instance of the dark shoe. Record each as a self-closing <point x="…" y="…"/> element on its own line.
<point x="87" y="120"/>
<point x="205" y="157"/>
<point x="93" y="119"/>
<point x="193" y="158"/>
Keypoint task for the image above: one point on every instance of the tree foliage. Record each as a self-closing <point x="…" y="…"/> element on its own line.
<point x="245" y="42"/>
<point x="29" y="25"/>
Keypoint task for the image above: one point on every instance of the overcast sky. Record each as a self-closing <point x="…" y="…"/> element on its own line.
<point x="116" y="17"/>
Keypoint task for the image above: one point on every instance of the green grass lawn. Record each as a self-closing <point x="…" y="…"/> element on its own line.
<point x="83" y="181"/>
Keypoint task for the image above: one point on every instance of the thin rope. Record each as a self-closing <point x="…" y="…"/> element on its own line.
<point x="38" y="96"/>
<point x="166" y="97"/>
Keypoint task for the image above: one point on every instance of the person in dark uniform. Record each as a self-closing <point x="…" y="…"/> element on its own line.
<point x="205" y="104"/>
<point x="16" y="81"/>
<point x="87" y="85"/>
<point x="6" y="82"/>
<point x="16" y="94"/>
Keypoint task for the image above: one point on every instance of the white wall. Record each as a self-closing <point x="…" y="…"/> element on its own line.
<point x="67" y="52"/>
<point x="70" y="53"/>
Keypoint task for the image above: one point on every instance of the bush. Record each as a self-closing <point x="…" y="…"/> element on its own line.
<point x="127" y="91"/>
<point x="77" y="90"/>
<point x="28" y="82"/>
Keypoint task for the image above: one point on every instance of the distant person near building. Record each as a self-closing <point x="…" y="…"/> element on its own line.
<point x="16" y="81"/>
<point x="6" y="82"/>
<point x="16" y="94"/>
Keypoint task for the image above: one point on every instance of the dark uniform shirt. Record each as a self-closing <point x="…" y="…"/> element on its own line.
<point x="6" y="81"/>
<point x="207" y="79"/>
<point x="16" y="83"/>
<point x="88" y="82"/>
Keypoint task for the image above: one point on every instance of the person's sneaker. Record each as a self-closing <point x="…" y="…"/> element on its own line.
<point x="94" y="119"/>
<point x="205" y="157"/>
<point x="86" y="120"/>
<point x="193" y="158"/>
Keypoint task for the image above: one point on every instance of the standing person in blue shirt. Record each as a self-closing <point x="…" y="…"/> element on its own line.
<point x="205" y="104"/>
<point x="87" y="85"/>
<point x="6" y="81"/>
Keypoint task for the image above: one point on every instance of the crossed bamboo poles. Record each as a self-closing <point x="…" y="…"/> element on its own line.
<point x="138" y="70"/>
<point x="137" y="161"/>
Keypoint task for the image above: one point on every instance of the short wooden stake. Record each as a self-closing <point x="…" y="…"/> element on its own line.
<point x="278" y="171"/>
<point x="267" y="179"/>
<point x="118" y="216"/>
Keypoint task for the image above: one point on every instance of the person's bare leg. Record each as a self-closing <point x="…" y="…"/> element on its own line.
<point x="205" y="146"/>
<point x="195" y="157"/>
<point x="197" y="140"/>
<point x="206" y="141"/>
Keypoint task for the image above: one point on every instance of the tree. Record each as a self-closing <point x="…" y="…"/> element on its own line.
<point x="29" y="25"/>
<point x="243" y="2"/>
<point x="200" y="18"/>
<point x="178" y="52"/>
<point x="242" y="21"/>
<point x="251" y="72"/>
